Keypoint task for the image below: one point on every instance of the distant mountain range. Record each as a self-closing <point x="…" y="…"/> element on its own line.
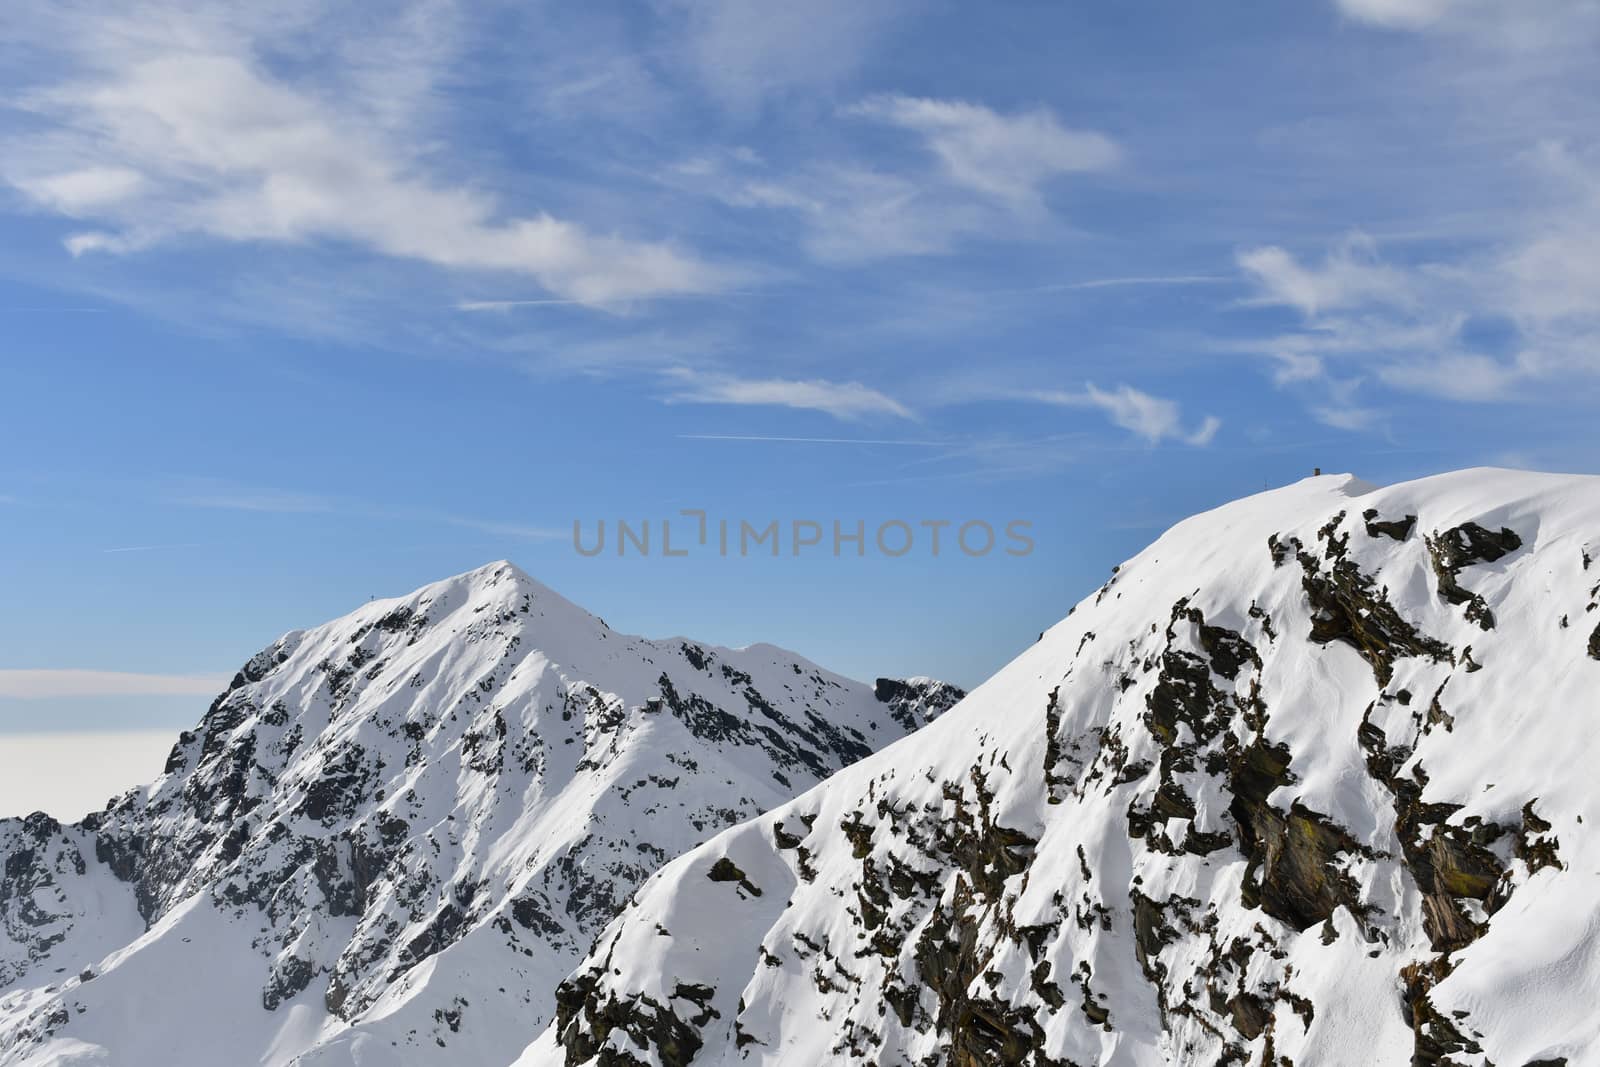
<point x="393" y="834"/>
<point x="1308" y="782"/>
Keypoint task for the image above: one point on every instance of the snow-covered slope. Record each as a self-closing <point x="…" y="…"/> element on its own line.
<point x="1310" y="781"/>
<point x="394" y="834"/>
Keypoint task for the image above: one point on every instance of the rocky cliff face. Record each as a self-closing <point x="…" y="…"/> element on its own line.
<point x="1309" y="781"/>
<point x="51" y="909"/>
<point x="392" y="835"/>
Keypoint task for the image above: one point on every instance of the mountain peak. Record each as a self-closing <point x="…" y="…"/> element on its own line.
<point x="467" y="780"/>
<point x="1311" y="773"/>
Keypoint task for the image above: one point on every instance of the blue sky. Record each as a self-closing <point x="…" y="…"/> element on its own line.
<point x="300" y="305"/>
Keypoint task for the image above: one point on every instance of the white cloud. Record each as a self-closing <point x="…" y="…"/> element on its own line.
<point x="1406" y="14"/>
<point x="774" y="438"/>
<point x="1420" y="325"/>
<point x="1004" y="156"/>
<point x="1153" y="418"/>
<point x="513" y="530"/>
<point x="855" y="214"/>
<point x="842" y="400"/>
<point x="82" y="191"/>
<point x="508" y="305"/>
<point x="1349" y="275"/>
<point x="988" y="182"/>
<point x="1295" y="366"/>
<point x="1553" y="274"/>
<point x="1154" y="281"/>
<point x="44" y="684"/>
<point x="1208" y="430"/>
<point x="193" y="134"/>
<point x="1456" y="376"/>
<point x="1345" y="418"/>
<point x="1497" y="24"/>
<point x="743" y="51"/>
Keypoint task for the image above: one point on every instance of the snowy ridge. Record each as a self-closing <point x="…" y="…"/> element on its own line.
<point x="1310" y="781"/>
<point x="394" y="834"/>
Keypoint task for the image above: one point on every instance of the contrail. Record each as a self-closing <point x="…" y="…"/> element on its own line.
<point x="811" y="440"/>
<point x="47" y="310"/>
<point x="1109" y="283"/>
<point x="151" y="548"/>
<point x="507" y="305"/>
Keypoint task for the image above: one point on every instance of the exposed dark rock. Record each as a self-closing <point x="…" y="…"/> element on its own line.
<point x="1535" y="845"/>
<point x="1250" y="1015"/>
<point x="1470" y="543"/>
<point x="1295" y="873"/>
<point x="725" y="870"/>
<point x="1055" y="782"/>
<point x="289" y="979"/>
<point x="1449" y="863"/>
<point x="1351" y="607"/>
<point x="38" y="859"/>
<point x="1460" y="547"/>
<point x="1399" y="529"/>
<point x="1437" y="1039"/>
<point x="913" y="704"/>
<point x="586" y="1020"/>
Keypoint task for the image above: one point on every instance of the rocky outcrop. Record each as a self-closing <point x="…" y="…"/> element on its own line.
<point x="1349" y="605"/>
<point x="915" y="702"/>
<point x="1246" y="809"/>
<point x="470" y="780"/>
<point x="41" y="863"/>
<point x="1459" y="547"/>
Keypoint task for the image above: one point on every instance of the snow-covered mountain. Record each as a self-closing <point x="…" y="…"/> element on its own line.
<point x="393" y="835"/>
<point x="1310" y="781"/>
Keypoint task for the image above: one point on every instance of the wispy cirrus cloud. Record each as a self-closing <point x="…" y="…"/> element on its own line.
<point x="777" y="439"/>
<point x="508" y="305"/>
<point x="842" y="400"/>
<point x="1007" y="157"/>
<point x="515" y="531"/>
<point x="1509" y="306"/>
<point x="1350" y="274"/>
<point x="1154" y="419"/>
<point x="1351" y="419"/>
<point x="150" y="137"/>
<point x="46" y="684"/>
<point x="225" y="497"/>
<point x="1407" y="14"/>
<point x="989" y="178"/>
<point x="744" y="51"/>
<point x="855" y="214"/>
<point x="1495" y="321"/>
<point x="1493" y="22"/>
<point x="1138" y="281"/>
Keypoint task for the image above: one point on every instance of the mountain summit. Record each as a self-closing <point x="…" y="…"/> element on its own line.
<point x="393" y="834"/>
<point x="1310" y="781"/>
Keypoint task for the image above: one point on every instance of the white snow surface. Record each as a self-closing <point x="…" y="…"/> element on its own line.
<point x="395" y="833"/>
<point x="1083" y="863"/>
